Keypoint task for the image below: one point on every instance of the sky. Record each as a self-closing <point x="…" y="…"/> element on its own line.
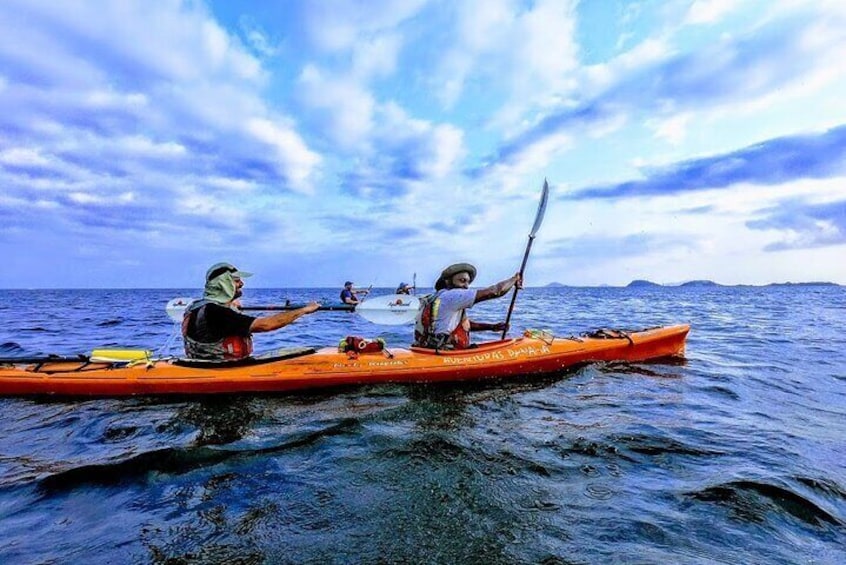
<point x="379" y="141"/>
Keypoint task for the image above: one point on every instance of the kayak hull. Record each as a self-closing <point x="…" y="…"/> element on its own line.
<point x="329" y="368"/>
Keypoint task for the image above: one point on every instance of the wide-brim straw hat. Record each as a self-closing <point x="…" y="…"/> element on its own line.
<point x="453" y="270"/>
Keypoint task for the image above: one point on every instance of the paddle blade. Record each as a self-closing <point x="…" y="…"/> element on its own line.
<point x="541" y="209"/>
<point x="176" y="308"/>
<point x="391" y="310"/>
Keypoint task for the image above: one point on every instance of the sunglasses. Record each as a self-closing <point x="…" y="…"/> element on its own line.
<point x="220" y="271"/>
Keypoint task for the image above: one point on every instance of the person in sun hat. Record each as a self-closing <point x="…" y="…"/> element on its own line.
<point x="404" y="288"/>
<point x="214" y="329"/>
<point x="349" y="295"/>
<point x="442" y="321"/>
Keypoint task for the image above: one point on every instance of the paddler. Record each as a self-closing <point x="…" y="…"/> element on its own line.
<point x="214" y="328"/>
<point x="442" y="321"/>
<point x="349" y="295"/>
<point x="404" y="288"/>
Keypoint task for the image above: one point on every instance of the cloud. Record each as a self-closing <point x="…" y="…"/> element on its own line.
<point x="339" y="107"/>
<point x="376" y="57"/>
<point x="374" y="225"/>
<point x="258" y="38"/>
<point x="421" y="149"/>
<point x="708" y="11"/>
<point x="296" y="160"/>
<point x="781" y="56"/>
<point x="773" y="162"/>
<point x="610" y="248"/>
<point x="412" y="153"/>
<point x="803" y="225"/>
<point x="339" y="25"/>
<point x="523" y="50"/>
<point x="108" y="105"/>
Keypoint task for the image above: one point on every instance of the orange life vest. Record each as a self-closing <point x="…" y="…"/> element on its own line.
<point x="424" y="327"/>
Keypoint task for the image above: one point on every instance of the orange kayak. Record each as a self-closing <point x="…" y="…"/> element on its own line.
<point x="306" y="368"/>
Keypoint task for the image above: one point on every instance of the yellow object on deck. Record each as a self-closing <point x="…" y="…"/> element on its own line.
<point x="120" y="355"/>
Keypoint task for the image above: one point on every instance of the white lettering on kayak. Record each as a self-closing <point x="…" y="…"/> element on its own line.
<point x="393" y="363"/>
<point x="478" y="358"/>
<point x="526" y="351"/>
<point x="359" y="364"/>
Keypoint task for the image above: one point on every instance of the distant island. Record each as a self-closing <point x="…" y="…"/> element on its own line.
<point x="695" y="283"/>
<point x="639" y="283"/>
<point x="642" y="283"/>
<point x="813" y="283"/>
<point x="699" y="283"/>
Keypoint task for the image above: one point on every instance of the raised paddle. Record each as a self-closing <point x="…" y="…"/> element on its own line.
<point x="391" y="310"/>
<point x="535" y="227"/>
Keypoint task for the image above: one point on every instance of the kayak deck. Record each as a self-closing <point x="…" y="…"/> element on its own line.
<point x="327" y="367"/>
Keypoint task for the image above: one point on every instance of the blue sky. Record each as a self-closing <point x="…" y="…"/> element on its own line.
<point x="315" y="142"/>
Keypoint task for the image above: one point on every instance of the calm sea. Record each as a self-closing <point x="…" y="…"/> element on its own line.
<point x="737" y="455"/>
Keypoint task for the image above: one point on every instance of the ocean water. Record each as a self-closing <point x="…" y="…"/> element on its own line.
<point x="735" y="455"/>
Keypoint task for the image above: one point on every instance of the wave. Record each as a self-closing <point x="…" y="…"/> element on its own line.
<point x="10" y="347"/>
<point x="651" y="445"/>
<point x="753" y="500"/>
<point x="177" y="461"/>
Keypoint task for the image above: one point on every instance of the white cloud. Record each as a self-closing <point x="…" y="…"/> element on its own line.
<point x="22" y="156"/>
<point x="447" y="149"/>
<point x="257" y="38"/>
<point x="433" y="151"/>
<point x="195" y="87"/>
<point x="230" y="184"/>
<point x="142" y="146"/>
<point x="601" y="77"/>
<point x="672" y="129"/>
<point x="338" y="25"/>
<point x="708" y="11"/>
<point x="343" y="107"/>
<point x="524" y="52"/>
<point x="85" y="198"/>
<point x="297" y="160"/>
<point x="511" y="175"/>
<point x="376" y="57"/>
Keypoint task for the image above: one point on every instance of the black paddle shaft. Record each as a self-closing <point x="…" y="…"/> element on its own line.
<point x="514" y="296"/>
<point x="535" y="227"/>
<point x="44" y="359"/>
<point x="332" y="308"/>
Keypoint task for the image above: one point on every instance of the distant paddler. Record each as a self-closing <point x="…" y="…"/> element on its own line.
<point x="404" y="288"/>
<point x="350" y="295"/>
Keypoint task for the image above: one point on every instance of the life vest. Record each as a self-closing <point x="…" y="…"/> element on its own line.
<point x="424" y="327"/>
<point x="227" y="348"/>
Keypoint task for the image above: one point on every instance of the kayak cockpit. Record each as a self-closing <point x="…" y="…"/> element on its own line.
<point x="269" y="357"/>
